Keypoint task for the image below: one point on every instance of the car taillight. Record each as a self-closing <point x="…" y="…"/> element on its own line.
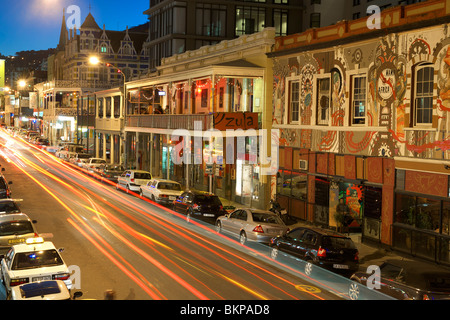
<point x="132" y="180"/>
<point x="356" y="256"/>
<point x="258" y="229"/>
<point x="61" y="276"/>
<point x="195" y="206"/>
<point x="322" y="252"/>
<point x="163" y="196"/>
<point x="18" y="282"/>
<point x="426" y="297"/>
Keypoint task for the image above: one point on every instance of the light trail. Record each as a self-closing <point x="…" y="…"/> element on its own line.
<point x="180" y="231"/>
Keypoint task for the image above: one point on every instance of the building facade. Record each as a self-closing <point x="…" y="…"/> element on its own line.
<point x="179" y="26"/>
<point x="226" y="88"/>
<point x="67" y="100"/>
<point x="364" y="121"/>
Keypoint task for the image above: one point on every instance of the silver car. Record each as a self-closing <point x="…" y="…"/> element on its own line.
<point x="252" y="224"/>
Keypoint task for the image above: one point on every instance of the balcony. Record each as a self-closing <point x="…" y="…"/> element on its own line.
<point x="169" y="121"/>
<point x="76" y="84"/>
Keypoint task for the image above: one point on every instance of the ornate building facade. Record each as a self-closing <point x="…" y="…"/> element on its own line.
<point x="364" y="117"/>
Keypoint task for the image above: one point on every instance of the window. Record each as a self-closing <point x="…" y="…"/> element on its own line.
<point x="211" y="20"/>
<point x="314" y="20"/>
<point x="423" y="101"/>
<point x="359" y="100"/>
<point x="249" y="20"/>
<point x="280" y="22"/>
<point x="294" y="101"/>
<point x="323" y="101"/>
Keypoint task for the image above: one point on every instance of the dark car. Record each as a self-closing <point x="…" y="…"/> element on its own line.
<point x="198" y="204"/>
<point x="8" y="206"/>
<point x="325" y="248"/>
<point x="109" y="172"/>
<point x="406" y="280"/>
<point x="5" y="191"/>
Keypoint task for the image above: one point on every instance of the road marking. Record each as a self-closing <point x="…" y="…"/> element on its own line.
<point x="307" y="288"/>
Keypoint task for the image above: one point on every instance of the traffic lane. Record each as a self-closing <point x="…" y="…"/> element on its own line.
<point x="228" y="278"/>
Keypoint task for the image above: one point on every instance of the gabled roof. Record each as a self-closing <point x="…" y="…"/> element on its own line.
<point x="89" y="23"/>
<point x="116" y="37"/>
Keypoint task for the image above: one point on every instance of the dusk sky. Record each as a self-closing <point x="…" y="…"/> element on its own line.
<point x="36" y="24"/>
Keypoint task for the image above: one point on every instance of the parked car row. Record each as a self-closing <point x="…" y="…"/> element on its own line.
<point x="29" y="265"/>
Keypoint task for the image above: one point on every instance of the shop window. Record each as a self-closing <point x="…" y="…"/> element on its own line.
<point x="358" y="103"/>
<point x="372" y="202"/>
<point x="423" y="95"/>
<point x="418" y="212"/>
<point x="446" y="218"/>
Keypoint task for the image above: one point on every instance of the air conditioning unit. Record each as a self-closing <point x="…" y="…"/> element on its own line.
<point x="303" y="164"/>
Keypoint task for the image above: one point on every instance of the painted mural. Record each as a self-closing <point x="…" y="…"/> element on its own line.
<point x="388" y="127"/>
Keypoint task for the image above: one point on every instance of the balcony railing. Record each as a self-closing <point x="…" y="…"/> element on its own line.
<point x="91" y="84"/>
<point x="168" y="121"/>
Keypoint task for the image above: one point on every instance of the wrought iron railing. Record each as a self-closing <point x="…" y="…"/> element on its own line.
<point x="169" y="121"/>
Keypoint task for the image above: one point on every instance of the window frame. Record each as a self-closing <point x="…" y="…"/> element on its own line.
<point x="290" y="82"/>
<point x="353" y="99"/>
<point x="417" y="68"/>
<point x="317" y="106"/>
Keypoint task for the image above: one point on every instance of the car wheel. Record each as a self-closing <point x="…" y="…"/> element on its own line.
<point x="128" y="188"/>
<point x="189" y="215"/>
<point x="153" y="198"/>
<point x="218" y="227"/>
<point x="242" y="237"/>
<point x="274" y="253"/>
<point x="141" y="194"/>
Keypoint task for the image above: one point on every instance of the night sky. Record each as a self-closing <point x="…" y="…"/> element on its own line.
<point x="36" y="24"/>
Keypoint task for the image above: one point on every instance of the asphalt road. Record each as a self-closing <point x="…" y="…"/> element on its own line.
<point x="138" y="249"/>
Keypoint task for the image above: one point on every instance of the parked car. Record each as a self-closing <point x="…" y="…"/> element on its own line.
<point x="252" y="224"/>
<point x="161" y="191"/>
<point x="404" y="280"/>
<point x="93" y="163"/>
<point x="68" y="150"/>
<point x="199" y="204"/>
<point x="41" y="142"/>
<point x="80" y="159"/>
<point x="325" y="248"/>
<point x="8" y="206"/>
<point x="35" y="260"/>
<point x="109" y="172"/>
<point x="132" y="180"/>
<point x="14" y="229"/>
<point x="5" y="190"/>
<point x="43" y="290"/>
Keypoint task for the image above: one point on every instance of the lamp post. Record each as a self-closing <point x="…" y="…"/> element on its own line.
<point x="93" y="60"/>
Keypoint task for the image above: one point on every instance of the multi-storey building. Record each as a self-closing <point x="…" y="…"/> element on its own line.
<point x="67" y="99"/>
<point x="364" y="119"/>
<point x="225" y="87"/>
<point x="179" y="26"/>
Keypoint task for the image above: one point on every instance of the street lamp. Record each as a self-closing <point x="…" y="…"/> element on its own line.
<point x="93" y="60"/>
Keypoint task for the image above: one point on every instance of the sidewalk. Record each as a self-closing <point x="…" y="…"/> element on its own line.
<point x="369" y="254"/>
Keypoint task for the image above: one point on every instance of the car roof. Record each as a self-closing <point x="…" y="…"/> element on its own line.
<point x="203" y="193"/>
<point x="49" y="289"/>
<point x="13" y="217"/>
<point x="25" y="247"/>
<point x="324" y="232"/>
<point x="10" y="200"/>
<point x="142" y="171"/>
<point x="165" y="180"/>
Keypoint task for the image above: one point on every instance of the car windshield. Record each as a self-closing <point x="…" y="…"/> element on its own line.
<point x="9" y="207"/>
<point x="142" y="175"/>
<point x="207" y="199"/>
<point x="169" y="186"/>
<point x="266" y="218"/>
<point x="338" y="242"/>
<point x="36" y="259"/>
<point x="10" y="228"/>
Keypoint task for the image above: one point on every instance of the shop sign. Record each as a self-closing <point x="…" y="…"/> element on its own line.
<point x="235" y="120"/>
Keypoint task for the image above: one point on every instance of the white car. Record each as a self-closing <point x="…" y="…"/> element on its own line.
<point x="35" y="260"/>
<point x="42" y="290"/>
<point x="94" y="163"/>
<point x="161" y="191"/>
<point x="133" y="180"/>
